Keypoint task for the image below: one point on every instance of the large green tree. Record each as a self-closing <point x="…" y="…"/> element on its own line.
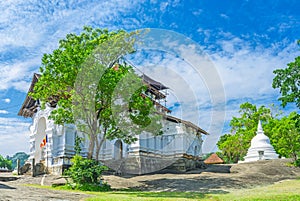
<point x="286" y="131"/>
<point x="286" y="135"/>
<point x="234" y="146"/>
<point x="288" y="81"/>
<point x="81" y="79"/>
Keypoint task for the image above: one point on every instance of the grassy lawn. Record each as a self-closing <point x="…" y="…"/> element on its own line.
<point x="151" y="196"/>
<point x="286" y="190"/>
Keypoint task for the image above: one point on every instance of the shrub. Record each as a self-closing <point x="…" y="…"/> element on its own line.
<point x="86" y="174"/>
<point x="297" y="163"/>
<point x="5" y="163"/>
<point x="90" y="187"/>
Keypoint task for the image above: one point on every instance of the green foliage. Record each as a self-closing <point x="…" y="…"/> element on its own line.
<point x="86" y="174"/>
<point x="90" y="187"/>
<point x="19" y="155"/>
<point x="286" y="135"/>
<point x="234" y="146"/>
<point x="5" y="163"/>
<point x="288" y="81"/>
<point x="232" y="150"/>
<point x="77" y="146"/>
<point x="63" y="66"/>
<point x="297" y="163"/>
<point x="122" y="84"/>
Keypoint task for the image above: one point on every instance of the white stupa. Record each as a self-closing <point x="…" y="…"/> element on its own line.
<point x="261" y="148"/>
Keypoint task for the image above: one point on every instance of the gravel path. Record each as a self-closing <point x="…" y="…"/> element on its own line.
<point x="13" y="188"/>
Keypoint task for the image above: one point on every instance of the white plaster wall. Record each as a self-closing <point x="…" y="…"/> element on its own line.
<point x="177" y="139"/>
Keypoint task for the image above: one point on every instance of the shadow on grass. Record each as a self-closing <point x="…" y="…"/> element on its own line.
<point x="193" y="188"/>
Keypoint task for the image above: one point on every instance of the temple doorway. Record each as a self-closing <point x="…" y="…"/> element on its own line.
<point x="118" y="150"/>
<point x="39" y="136"/>
<point x="260" y="155"/>
<point x="196" y="151"/>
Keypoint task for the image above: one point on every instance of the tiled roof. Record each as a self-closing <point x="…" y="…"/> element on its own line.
<point x="213" y="159"/>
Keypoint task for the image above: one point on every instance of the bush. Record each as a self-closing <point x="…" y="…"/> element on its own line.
<point x="297" y="163"/>
<point x="86" y="174"/>
<point x="5" y="163"/>
<point x="90" y="187"/>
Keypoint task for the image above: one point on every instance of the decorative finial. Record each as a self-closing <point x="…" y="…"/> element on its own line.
<point x="259" y="127"/>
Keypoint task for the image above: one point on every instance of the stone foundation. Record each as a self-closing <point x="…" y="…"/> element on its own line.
<point x="58" y="169"/>
<point x="185" y="164"/>
<point x="143" y="164"/>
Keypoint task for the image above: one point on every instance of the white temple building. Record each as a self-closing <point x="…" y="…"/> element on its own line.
<point x="181" y="140"/>
<point x="261" y="148"/>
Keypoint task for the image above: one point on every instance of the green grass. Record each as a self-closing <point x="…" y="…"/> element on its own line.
<point x="129" y="194"/>
<point x="288" y="190"/>
<point x="160" y="196"/>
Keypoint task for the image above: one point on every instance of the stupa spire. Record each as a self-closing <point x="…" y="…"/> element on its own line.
<point x="259" y="128"/>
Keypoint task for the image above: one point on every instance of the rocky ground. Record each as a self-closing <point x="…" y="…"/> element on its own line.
<point x="213" y="179"/>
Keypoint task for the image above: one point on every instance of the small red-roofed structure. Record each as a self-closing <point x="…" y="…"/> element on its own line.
<point x="213" y="159"/>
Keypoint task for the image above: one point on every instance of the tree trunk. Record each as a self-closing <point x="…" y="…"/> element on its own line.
<point x="99" y="143"/>
<point x="294" y="156"/>
<point x="91" y="146"/>
<point x="93" y="138"/>
<point x="98" y="147"/>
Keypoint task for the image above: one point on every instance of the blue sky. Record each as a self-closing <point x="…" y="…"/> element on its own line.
<point x="244" y="40"/>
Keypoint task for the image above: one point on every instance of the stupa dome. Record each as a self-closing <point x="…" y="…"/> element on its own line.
<point x="261" y="148"/>
<point x="260" y="140"/>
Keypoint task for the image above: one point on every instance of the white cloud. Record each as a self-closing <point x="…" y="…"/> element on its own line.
<point x="222" y="15"/>
<point x="3" y="112"/>
<point x="290" y="23"/>
<point x="37" y="26"/>
<point x="198" y="12"/>
<point x="6" y="100"/>
<point x="14" y="136"/>
<point x="17" y="75"/>
<point x="163" y="6"/>
<point x="251" y="69"/>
